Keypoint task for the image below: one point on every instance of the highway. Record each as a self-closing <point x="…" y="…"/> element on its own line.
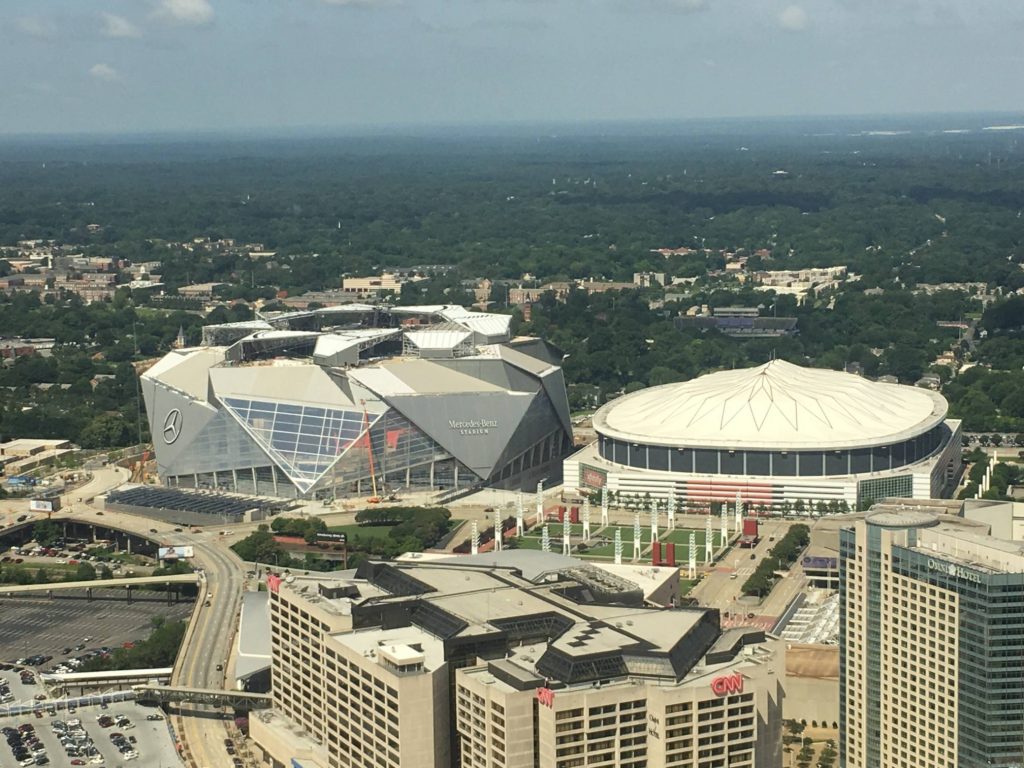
<point x="209" y="639"/>
<point x="208" y="643"/>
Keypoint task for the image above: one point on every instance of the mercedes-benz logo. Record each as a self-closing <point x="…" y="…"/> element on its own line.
<point x="172" y="426"/>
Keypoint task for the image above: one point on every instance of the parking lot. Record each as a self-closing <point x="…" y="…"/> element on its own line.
<point x="37" y="625"/>
<point x="72" y="738"/>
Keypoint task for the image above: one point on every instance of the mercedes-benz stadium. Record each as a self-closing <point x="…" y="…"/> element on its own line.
<point x="773" y="436"/>
<point x="355" y="399"/>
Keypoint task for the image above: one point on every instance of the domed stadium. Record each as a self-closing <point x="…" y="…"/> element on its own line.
<point x="774" y="436"/>
<point x="359" y="399"/>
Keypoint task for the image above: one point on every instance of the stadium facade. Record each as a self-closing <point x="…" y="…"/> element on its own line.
<point x="774" y="436"/>
<point x="339" y="400"/>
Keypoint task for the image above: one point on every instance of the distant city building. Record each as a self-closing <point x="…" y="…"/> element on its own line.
<point x="510" y="660"/>
<point x="377" y="285"/>
<point x="799" y="282"/>
<point x="931" y="617"/>
<point x="561" y="290"/>
<point x="738" y="321"/>
<point x="650" y="279"/>
<point x="202" y="291"/>
<point x="20" y="347"/>
<point x="774" y="436"/>
<point x="357" y="398"/>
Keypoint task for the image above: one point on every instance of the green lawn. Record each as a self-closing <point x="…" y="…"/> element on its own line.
<point x="370" y="532"/>
<point x="605" y="549"/>
<point x="364" y="532"/>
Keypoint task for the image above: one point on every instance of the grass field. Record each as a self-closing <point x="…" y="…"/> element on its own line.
<point x="603" y="542"/>
<point x="364" y="532"/>
<point x="369" y="532"/>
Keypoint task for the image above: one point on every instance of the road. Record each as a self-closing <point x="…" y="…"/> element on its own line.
<point x="209" y="643"/>
<point x="720" y="590"/>
<point x="209" y="640"/>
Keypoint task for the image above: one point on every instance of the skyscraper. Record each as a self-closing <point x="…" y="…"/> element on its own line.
<point x="932" y="643"/>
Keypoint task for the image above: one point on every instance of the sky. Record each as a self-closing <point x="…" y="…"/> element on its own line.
<point x="125" y="66"/>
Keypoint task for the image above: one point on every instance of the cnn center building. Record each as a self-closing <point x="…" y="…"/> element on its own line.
<point x="358" y="399"/>
<point x="774" y="436"/>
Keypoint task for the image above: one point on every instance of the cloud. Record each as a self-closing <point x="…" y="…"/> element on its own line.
<point x="793" y="18"/>
<point x="104" y="72"/>
<point x="119" y="26"/>
<point x="191" y="12"/>
<point x="686" y="5"/>
<point x="36" y="26"/>
<point x="676" y="6"/>
<point x="360" y="3"/>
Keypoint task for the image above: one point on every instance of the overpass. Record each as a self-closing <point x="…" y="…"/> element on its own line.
<point x="172" y="694"/>
<point x="106" y="680"/>
<point x="141" y="581"/>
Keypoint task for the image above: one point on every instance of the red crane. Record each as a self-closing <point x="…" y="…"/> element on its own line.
<point x="375" y="499"/>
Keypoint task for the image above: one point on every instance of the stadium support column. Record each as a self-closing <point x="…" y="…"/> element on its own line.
<point x="604" y="507"/>
<point x="692" y="570"/>
<point x="739" y="513"/>
<point x="540" y="503"/>
<point x="499" y="534"/>
<point x="474" y="541"/>
<point x="586" y="519"/>
<point x="618" y="546"/>
<point x="566" y="537"/>
<point x="520" y="525"/>
<point x="708" y="549"/>
<point x="545" y="539"/>
<point x="636" y="536"/>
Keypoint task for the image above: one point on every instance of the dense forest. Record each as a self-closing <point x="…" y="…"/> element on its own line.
<point x="898" y="210"/>
<point x="924" y="207"/>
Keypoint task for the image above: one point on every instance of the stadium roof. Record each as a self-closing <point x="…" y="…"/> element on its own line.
<point x="774" y="406"/>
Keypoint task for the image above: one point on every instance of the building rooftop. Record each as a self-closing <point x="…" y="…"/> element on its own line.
<point x="557" y="623"/>
<point x="777" y="405"/>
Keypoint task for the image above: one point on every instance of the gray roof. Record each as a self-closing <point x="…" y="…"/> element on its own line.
<point x="253" y="634"/>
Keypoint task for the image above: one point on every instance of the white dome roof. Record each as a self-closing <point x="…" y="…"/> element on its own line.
<point x="774" y="406"/>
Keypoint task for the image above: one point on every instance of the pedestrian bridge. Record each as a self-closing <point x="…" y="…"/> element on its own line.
<point x="140" y="581"/>
<point x="168" y="694"/>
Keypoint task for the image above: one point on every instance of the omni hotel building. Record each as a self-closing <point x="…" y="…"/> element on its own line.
<point x="517" y="659"/>
<point x="932" y="642"/>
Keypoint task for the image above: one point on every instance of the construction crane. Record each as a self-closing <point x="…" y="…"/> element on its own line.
<point x="375" y="499"/>
<point x="139" y="472"/>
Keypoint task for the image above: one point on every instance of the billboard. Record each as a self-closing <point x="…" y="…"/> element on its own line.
<point x="591" y="477"/>
<point x="175" y="553"/>
<point x="335" y="538"/>
<point x="43" y="505"/>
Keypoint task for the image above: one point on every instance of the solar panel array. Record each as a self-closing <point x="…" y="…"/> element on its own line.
<point x="217" y="504"/>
